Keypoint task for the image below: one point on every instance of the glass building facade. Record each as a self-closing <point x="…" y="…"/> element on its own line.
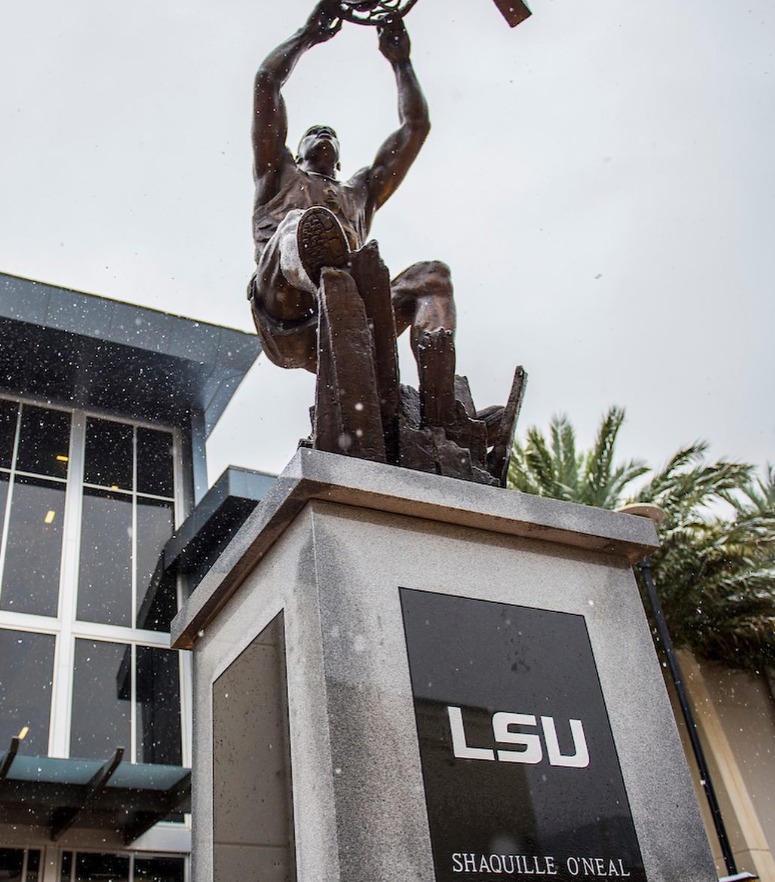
<point x="104" y="413"/>
<point x="86" y="507"/>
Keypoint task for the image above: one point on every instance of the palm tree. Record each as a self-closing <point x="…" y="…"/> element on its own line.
<point x="715" y="572"/>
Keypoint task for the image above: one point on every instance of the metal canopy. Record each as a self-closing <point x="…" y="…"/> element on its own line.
<point x="124" y="798"/>
<point x="96" y="353"/>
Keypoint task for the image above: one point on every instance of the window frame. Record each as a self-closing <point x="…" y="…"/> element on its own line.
<point x="26" y="849"/>
<point x="131" y="854"/>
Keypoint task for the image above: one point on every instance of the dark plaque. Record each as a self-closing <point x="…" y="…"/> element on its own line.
<point x="520" y="769"/>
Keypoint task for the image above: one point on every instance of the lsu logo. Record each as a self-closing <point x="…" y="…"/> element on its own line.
<point x="530" y="744"/>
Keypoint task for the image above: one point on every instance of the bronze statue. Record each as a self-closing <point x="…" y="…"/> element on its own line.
<point x="294" y="230"/>
<point x="320" y="296"/>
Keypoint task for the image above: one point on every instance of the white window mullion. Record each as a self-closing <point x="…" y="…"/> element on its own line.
<point x="133" y="618"/>
<point x="28" y="622"/>
<point x="6" y="521"/>
<point x="184" y="658"/>
<point x="133" y="706"/>
<point x="49" y="864"/>
<point x="117" y="634"/>
<point x="186" y="706"/>
<point x="68" y="580"/>
<point x="61" y="709"/>
<point x="59" y="727"/>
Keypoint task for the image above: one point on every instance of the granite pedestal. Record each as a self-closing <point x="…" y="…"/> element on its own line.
<point x="403" y="677"/>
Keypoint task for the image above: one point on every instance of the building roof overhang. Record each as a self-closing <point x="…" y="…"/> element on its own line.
<point x="96" y="353"/>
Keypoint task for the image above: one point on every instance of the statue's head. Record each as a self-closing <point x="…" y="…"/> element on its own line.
<point x="319" y="150"/>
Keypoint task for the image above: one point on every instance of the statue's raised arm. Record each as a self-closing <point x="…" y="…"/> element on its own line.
<point x="270" y="118"/>
<point x="400" y="150"/>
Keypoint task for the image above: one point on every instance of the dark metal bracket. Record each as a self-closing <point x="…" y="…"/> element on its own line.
<point x="9" y="757"/>
<point x="168" y="802"/>
<point x="93" y="790"/>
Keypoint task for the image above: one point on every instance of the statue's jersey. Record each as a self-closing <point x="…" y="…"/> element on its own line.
<point x="349" y="201"/>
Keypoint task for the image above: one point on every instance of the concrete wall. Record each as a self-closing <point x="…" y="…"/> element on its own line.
<point x="735" y="715"/>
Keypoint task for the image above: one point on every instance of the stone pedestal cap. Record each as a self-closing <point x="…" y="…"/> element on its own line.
<point x="312" y="474"/>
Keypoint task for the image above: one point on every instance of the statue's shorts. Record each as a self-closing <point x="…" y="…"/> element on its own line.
<point x="292" y="343"/>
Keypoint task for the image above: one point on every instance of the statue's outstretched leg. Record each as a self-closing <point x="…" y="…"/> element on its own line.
<point x="423" y="300"/>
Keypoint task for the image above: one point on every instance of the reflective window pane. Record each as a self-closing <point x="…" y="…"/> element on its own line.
<point x="158" y="706"/>
<point x="101" y="867"/>
<point x="105" y="569"/>
<point x="11" y="864"/>
<point x="44" y="441"/>
<point x="8" y="412"/>
<point x="33" y="865"/>
<point x="67" y="866"/>
<point x="27" y="663"/>
<point x="101" y="700"/>
<point x="160" y="605"/>
<point x="154" y="462"/>
<point x="32" y="558"/>
<point x="108" y="459"/>
<point x="155" y="523"/>
<point x="166" y="869"/>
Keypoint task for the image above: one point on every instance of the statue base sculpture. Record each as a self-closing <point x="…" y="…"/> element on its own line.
<point x="361" y="408"/>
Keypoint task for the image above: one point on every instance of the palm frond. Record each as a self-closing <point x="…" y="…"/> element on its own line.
<point x="715" y="575"/>
<point x="599" y="460"/>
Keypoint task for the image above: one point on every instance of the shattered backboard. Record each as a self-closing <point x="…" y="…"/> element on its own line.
<point x="514" y="11"/>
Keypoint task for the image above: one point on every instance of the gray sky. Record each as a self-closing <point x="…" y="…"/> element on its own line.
<point x="601" y="180"/>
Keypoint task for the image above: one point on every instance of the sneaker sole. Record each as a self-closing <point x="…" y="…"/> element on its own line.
<point x="321" y="242"/>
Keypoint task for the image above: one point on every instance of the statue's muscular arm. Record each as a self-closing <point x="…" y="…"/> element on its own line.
<point x="400" y="150"/>
<point x="270" y="117"/>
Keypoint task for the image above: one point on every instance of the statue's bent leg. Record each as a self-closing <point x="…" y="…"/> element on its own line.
<point x="423" y="300"/>
<point x="282" y="291"/>
<point x="286" y="343"/>
<point x="285" y="314"/>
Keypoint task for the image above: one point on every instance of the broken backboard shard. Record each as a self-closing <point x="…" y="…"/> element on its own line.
<point x="362" y="410"/>
<point x="514" y="11"/>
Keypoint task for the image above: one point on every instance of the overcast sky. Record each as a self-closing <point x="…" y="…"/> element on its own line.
<point x="601" y="180"/>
